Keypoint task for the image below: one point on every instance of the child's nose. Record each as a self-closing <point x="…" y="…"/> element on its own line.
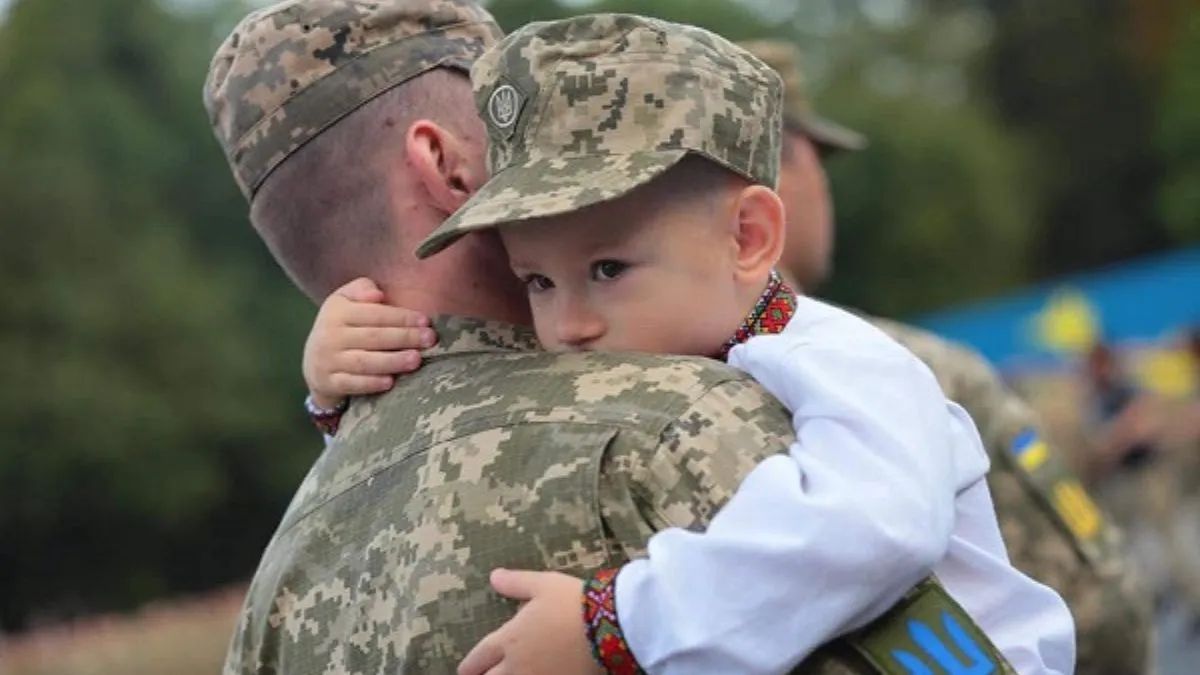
<point x="578" y="326"/>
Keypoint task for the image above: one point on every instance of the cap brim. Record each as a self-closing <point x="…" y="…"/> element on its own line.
<point x="549" y="187"/>
<point x="830" y="134"/>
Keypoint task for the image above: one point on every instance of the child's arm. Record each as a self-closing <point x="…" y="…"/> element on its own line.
<point x="357" y="345"/>
<point x="813" y="544"/>
<point x="824" y="540"/>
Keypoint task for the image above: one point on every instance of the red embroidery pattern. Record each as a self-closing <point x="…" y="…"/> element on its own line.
<point x="604" y="628"/>
<point x="327" y="425"/>
<point x="770" y="314"/>
<point x="326" y="420"/>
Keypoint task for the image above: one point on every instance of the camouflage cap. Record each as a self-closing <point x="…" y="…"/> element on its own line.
<point x="798" y="113"/>
<point x="584" y="110"/>
<point x="290" y="70"/>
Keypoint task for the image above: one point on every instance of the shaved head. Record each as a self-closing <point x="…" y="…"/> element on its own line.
<point x="328" y="213"/>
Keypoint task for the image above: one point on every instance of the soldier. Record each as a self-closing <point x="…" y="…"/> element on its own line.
<point x="493" y="454"/>
<point x="1053" y="531"/>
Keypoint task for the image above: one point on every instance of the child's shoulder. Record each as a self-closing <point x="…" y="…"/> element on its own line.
<point x="821" y="324"/>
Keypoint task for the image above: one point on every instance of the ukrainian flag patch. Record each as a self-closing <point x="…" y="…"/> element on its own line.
<point x="1030" y="450"/>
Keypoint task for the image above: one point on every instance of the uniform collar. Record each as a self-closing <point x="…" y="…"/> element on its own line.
<point x="465" y="335"/>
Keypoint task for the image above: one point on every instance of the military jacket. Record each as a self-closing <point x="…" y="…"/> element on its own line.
<point x="497" y="455"/>
<point x="1052" y="529"/>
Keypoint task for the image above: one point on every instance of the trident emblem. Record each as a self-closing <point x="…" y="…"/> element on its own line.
<point x="977" y="663"/>
<point x="503" y="106"/>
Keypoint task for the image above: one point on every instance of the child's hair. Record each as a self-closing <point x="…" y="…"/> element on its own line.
<point x="695" y="182"/>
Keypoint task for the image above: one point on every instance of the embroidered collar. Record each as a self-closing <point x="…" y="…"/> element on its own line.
<point x="771" y="312"/>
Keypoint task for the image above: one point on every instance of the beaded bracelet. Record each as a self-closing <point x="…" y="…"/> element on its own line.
<point x="603" y="627"/>
<point x="326" y="420"/>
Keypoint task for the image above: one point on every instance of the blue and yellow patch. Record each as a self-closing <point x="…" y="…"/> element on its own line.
<point x="1064" y="492"/>
<point x="1030" y="450"/>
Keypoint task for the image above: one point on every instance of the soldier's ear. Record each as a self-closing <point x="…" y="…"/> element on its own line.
<point x="443" y="164"/>
<point x="760" y="231"/>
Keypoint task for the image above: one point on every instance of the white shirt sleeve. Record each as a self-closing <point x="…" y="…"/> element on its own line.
<point x="824" y="539"/>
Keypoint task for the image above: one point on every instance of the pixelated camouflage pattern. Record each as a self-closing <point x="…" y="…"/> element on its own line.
<point x="798" y="112"/>
<point x="597" y="105"/>
<point x="495" y="455"/>
<point x="1112" y="610"/>
<point x="291" y="69"/>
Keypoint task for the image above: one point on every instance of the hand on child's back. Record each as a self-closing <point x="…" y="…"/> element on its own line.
<point x="358" y="344"/>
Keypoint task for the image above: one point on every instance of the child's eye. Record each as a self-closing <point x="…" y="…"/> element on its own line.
<point x="536" y="283"/>
<point x="607" y="270"/>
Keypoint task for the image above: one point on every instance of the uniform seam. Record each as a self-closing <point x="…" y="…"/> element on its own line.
<point x="638" y="488"/>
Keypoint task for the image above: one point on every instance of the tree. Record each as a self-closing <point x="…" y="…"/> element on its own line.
<point x="1066" y="75"/>
<point x="149" y="422"/>
<point x="1178" y="132"/>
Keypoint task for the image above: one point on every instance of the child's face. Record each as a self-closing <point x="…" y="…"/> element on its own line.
<point x="628" y="275"/>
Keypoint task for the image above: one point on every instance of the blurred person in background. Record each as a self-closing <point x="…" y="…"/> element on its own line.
<point x="1122" y="417"/>
<point x="1144" y="464"/>
<point x="1052" y="529"/>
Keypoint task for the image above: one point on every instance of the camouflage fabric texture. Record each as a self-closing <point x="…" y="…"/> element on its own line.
<point x="584" y="110"/>
<point x="290" y="70"/>
<point x="1053" y="531"/>
<point x="798" y="112"/>
<point x="494" y="454"/>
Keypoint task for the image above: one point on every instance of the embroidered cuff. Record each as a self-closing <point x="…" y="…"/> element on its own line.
<point x="326" y="420"/>
<point x="604" y="628"/>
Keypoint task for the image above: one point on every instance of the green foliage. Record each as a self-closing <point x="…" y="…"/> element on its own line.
<point x="1179" y="133"/>
<point x="933" y="213"/>
<point x="149" y="422"/>
<point x="1067" y="79"/>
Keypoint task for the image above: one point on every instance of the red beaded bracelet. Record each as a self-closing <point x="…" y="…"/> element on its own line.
<point x="604" y="628"/>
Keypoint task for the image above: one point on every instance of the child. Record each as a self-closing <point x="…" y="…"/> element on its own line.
<point x="631" y="162"/>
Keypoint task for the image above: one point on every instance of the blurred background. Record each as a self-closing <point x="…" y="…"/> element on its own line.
<point x="1032" y="187"/>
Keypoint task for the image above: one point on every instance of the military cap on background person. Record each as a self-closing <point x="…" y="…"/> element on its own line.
<point x="798" y="112"/>
<point x="292" y="69"/>
<point x="557" y="146"/>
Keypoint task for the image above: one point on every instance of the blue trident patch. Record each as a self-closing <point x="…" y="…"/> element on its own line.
<point x="977" y="660"/>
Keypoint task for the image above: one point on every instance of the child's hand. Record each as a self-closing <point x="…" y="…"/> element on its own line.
<point x="546" y="637"/>
<point x="358" y="343"/>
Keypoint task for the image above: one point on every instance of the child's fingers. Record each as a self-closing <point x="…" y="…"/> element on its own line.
<point x="348" y="384"/>
<point x="517" y="584"/>
<point x="364" y="362"/>
<point x="382" y="338"/>
<point x="483" y="657"/>
<point x="376" y="314"/>
<point x="361" y="289"/>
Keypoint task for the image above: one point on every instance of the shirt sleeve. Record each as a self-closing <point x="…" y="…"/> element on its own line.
<point x="822" y="539"/>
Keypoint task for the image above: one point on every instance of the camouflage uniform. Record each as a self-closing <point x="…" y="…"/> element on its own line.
<point x="493" y="454"/>
<point x="496" y="455"/>
<point x="1053" y="531"/>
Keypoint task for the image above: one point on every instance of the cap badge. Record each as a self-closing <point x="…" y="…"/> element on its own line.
<point x="504" y="106"/>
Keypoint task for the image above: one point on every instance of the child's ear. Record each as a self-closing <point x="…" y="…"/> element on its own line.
<point x="442" y="164"/>
<point x="760" y="233"/>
